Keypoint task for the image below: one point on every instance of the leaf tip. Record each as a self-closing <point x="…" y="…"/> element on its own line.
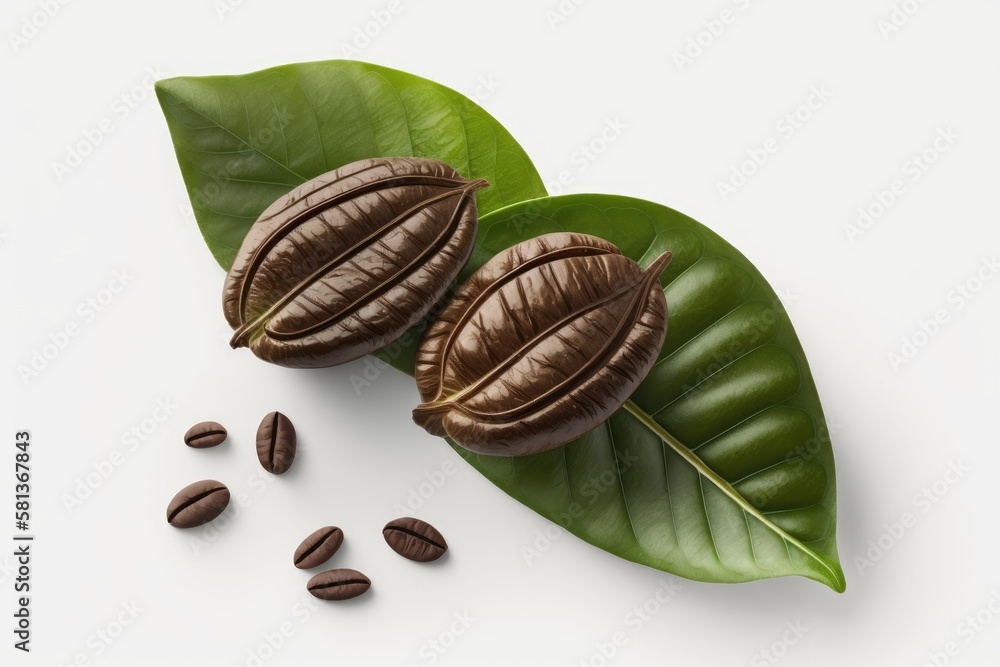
<point x="833" y="576"/>
<point x="168" y="93"/>
<point x="164" y="86"/>
<point x="840" y="584"/>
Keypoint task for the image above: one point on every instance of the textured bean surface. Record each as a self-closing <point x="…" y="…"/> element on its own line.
<point x="540" y="345"/>
<point x="276" y="443"/>
<point x="345" y="263"/>
<point x="415" y="539"/>
<point x="197" y="504"/>
<point x="205" y="434"/>
<point x="340" y="584"/>
<point x="318" y="547"/>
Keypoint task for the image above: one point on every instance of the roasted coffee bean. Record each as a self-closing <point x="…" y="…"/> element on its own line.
<point x="205" y="435"/>
<point x="346" y="263"/>
<point x="414" y="539"/>
<point x="198" y="503"/>
<point x="339" y="584"/>
<point x="276" y="443"/>
<point x="318" y="547"/>
<point x="540" y="345"/>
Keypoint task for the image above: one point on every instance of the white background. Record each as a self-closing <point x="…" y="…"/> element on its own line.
<point x="854" y="300"/>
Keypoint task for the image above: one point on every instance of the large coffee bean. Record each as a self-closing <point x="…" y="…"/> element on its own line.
<point x="197" y="503"/>
<point x="339" y="584"/>
<point x="539" y="346"/>
<point x="349" y="261"/>
<point x="204" y="435"/>
<point x="318" y="547"/>
<point x="276" y="443"/>
<point x="414" y="539"/>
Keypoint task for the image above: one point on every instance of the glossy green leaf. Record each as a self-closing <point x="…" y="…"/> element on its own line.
<point x="243" y="141"/>
<point x="720" y="467"/>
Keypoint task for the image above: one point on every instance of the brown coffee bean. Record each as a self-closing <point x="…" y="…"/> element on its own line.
<point x="204" y="435"/>
<point x="540" y="345"/>
<point x="276" y="443"/>
<point x="318" y="547"/>
<point x="347" y="262"/>
<point x="414" y="539"/>
<point x="339" y="584"/>
<point x="197" y="503"/>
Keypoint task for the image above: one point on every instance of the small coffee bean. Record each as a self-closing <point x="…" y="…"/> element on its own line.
<point x="339" y="584"/>
<point x="276" y="443"/>
<point x="204" y="435"/>
<point x="197" y="503"/>
<point x="414" y="539"/>
<point x="318" y="547"/>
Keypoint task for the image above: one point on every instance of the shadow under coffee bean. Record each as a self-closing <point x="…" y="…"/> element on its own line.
<point x="197" y="504"/>
<point x="276" y="443"/>
<point x="340" y="584"/>
<point x="205" y="435"/>
<point x="319" y="547"/>
<point x="414" y="539"/>
<point x="202" y="501"/>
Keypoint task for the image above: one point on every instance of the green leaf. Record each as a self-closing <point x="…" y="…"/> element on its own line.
<point x="720" y="466"/>
<point x="243" y="141"/>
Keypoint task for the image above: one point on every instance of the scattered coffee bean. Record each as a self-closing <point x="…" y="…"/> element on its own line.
<point x="204" y="435"/>
<point x="276" y="443"/>
<point x="198" y="503"/>
<point x="339" y="584"/>
<point x="414" y="539"/>
<point x="318" y="547"/>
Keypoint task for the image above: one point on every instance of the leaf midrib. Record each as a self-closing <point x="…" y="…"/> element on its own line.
<point x="219" y="125"/>
<point x="835" y="578"/>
